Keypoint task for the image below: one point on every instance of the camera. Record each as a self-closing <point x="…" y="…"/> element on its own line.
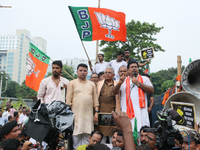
<point x="165" y="132"/>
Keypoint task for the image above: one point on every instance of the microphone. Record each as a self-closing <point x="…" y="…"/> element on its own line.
<point x="134" y="74"/>
<point x="174" y="114"/>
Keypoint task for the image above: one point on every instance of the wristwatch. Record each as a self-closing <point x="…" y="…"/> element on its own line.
<point x="138" y="85"/>
<point x="97" y="111"/>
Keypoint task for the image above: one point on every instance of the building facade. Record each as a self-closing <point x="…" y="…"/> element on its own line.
<point x="14" y="51"/>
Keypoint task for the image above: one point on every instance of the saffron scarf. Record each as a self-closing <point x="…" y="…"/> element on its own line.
<point x="129" y="105"/>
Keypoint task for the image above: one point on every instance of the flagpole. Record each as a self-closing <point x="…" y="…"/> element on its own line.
<point x="85" y="50"/>
<point x="97" y="43"/>
<point x="66" y="72"/>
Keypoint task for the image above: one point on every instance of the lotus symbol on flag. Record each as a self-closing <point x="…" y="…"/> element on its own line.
<point x="31" y="67"/>
<point x="108" y="23"/>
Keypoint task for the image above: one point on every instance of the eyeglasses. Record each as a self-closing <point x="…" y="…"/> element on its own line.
<point x="108" y="72"/>
<point x="94" y="77"/>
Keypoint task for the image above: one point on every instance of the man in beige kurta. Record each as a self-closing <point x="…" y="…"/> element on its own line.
<point x="82" y="97"/>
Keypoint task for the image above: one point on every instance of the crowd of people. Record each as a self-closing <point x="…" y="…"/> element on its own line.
<point x="116" y="89"/>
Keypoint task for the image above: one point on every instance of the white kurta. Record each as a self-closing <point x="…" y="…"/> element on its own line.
<point x="141" y="114"/>
<point x="48" y="91"/>
<point x="99" y="67"/>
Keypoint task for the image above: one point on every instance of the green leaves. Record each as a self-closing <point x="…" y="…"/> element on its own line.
<point x="139" y="36"/>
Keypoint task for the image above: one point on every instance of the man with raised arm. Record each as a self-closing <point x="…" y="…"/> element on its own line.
<point x="134" y="89"/>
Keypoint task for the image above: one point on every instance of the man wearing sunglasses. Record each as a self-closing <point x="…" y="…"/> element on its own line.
<point x="94" y="138"/>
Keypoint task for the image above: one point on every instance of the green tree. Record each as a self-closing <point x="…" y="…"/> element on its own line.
<point x="166" y="85"/>
<point x="160" y="77"/>
<point x="11" y="89"/>
<point x="69" y="70"/>
<point x="24" y="91"/>
<point x="139" y="36"/>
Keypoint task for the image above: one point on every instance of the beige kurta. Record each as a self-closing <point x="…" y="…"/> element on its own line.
<point x="82" y="96"/>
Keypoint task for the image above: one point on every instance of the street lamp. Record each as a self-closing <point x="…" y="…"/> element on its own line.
<point x="2" y="72"/>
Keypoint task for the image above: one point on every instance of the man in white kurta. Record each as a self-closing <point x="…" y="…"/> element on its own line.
<point x="50" y="87"/>
<point x="117" y="63"/>
<point x="101" y="65"/>
<point x="140" y="113"/>
<point x="82" y="97"/>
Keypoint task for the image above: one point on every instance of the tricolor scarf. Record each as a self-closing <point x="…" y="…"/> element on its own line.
<point x="129" y="105"/>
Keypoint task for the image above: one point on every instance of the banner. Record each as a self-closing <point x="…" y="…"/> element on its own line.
<point x="147" y="53"/>
<point x="187" y="113"/>
<point x="99" y="23"/>
<point x="37" y="66"/>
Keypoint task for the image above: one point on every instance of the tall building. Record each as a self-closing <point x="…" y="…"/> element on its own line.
<point x="14" y="51"/>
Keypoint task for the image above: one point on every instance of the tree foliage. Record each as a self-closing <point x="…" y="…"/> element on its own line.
<point x="166" y="85"/>
<point x="163" y="79"/>
<point x="139" y="36"/>
<point x="23" y="91"/>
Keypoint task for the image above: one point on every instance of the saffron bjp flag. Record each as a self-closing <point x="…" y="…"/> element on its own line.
<point x="36" y="67"/>
<point x="99" y="23"/>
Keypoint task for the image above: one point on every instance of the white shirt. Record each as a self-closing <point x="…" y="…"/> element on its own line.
<point x="49" y="91"/>
<point x="99" y="67"/>
<point x="141" y="114"/>
<point x="23" y="120"/>
<point x="6" y="114"/>
<point x="21" y="117"/>
<point x="116" y="65"/>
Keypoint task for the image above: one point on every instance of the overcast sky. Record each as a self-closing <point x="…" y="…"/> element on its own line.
<point x="51" y="20"/>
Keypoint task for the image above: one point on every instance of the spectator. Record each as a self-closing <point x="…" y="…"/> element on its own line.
<point x="143" y="147"/>
<point x="101" y="75"/>
<point x="8" y="103"/>
<point x="123" y="70"/>
<point x="124" y="124"/>
<point x="20" y="111"/>
<point x="143" y="135"/>
<point x="12" y="110"/>
<point x="152" y="140"/>
<point x="20" y="107"/>
<point x="114" y="139"/>
<point x="11" y="144"/>
<point x="11" y="130"/>
<point x="10" y="118"/>
<point x="16" y="116"/>
<point x="94" y="78"/>
<point x="120" y="140"/>
<point x="23" y="115"/>
<point x="194" y="139"/>
<point x="97" y="147"/>
<point x="61" y="145"/>
<point x="7" y="112"/>
<point x="99" y="66"/>
<point x="3" y="120"/>
<point x="95" y="137"/>
<point x="117" y="63"/>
